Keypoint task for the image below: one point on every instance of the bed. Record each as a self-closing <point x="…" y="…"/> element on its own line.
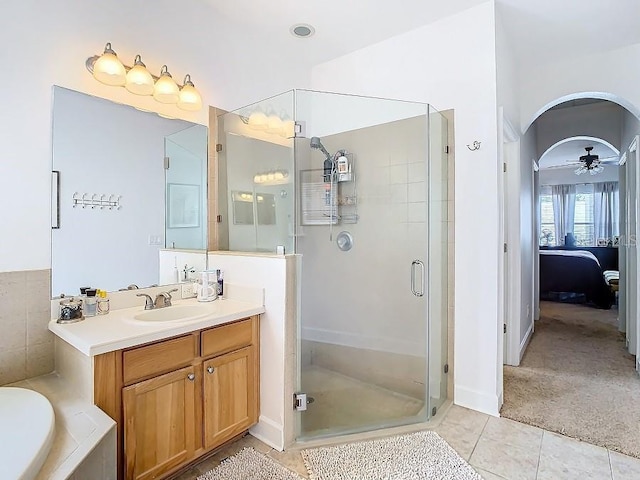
<point x="573" y="275"/>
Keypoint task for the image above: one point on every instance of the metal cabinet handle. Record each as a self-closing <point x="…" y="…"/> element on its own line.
<point x="417" y="293"/>
<point x="210" y="369"/>
<point x="191" y="376"/>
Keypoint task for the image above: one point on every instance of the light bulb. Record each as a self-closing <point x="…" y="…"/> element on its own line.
<point x="108" y="69"/>
<point x="274" y="124"/>
<point x="139" y="80"/>
<point x="258" y="120"/>
<point x="189" y="98"/>
<point x="165" y="90"/>
<point x="271" y="176"/>
<point x="279" y="175"/>
<point x="256" y="178"/>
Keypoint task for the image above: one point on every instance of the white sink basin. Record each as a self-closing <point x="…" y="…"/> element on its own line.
<point x="175" y="313"/>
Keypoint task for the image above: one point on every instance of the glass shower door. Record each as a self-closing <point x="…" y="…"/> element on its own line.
<point x="364" y="242"/>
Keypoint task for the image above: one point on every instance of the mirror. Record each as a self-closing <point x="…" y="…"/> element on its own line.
<point x="116" y="205"/>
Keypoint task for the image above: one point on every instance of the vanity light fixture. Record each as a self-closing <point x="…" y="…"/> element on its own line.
<point x="139" y="80"/>
<point x="108" y="69"/>
<point x="272" y="177"/>
<point x="166" y="89"/>
<point x="270" y="122"/>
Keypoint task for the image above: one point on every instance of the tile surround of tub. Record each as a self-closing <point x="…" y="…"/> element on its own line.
<point x="26" y="345"/>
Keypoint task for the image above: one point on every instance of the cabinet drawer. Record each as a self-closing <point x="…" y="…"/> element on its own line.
<point x="158" y="358"/>
<point x="226" y="338"/>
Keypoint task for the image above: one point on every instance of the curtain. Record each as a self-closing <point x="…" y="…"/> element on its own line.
<point x="564" y="203"/>
<point x="606" y="210"/>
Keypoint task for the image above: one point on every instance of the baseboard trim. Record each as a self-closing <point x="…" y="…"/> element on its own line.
<point x="269" y="432"/>
<point x="480" y="401"/>
<point x="525" y="342"/>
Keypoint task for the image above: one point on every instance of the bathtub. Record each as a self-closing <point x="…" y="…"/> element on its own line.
<point x="26" y="432"/>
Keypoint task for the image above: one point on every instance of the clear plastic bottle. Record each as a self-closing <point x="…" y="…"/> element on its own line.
<point x="90" y="303"/>
<point x="103" y="303"/>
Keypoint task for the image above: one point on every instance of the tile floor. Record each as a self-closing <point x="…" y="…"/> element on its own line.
<point x="497" y="448"/>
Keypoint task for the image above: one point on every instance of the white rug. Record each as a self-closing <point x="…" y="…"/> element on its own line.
<point x="248" y="464"/>
<point x="416" y="456"/>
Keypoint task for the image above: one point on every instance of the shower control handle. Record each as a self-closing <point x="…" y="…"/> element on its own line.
<point x="414" y="264"/>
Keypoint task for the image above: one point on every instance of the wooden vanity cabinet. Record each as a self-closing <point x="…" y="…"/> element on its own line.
<point x="177" y="399"/>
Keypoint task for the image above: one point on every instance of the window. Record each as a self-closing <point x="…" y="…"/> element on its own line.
<point x="583" y="222"/>
<point x="547" y="227"/>
<point x="584" y="229"/>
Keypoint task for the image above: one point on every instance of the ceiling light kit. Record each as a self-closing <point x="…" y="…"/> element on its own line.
<point x="590" y="163"/>
<point x="108" y="69"/>
<point x="302" y="30"/>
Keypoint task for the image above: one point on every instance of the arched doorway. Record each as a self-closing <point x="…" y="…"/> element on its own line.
<point x="615" y="144"/>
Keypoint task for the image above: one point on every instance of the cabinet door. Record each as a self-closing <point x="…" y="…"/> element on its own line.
<point x="159" y="423"/>
<point x="230" y="403"/>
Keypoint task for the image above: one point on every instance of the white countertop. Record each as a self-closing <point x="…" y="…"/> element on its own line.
<point x="118" y="329"/>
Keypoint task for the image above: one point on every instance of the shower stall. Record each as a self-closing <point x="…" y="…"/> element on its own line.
<point x="357" y="188"/>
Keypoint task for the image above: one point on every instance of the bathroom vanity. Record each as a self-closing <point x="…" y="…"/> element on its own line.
<point x="176" y="389"/>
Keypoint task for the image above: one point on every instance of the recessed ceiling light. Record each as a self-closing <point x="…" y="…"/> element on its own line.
<point x="302" y="30"/>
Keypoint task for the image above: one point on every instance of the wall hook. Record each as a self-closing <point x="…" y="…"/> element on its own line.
<point x="474" y="146"/>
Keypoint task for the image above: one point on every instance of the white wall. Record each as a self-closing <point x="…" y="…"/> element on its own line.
<point x="600" y="120"/>
<point x="616" y="78"/>
<point x="528" y="236"/>
<point x="436" y="64"/>
<point x="47" y="43"/>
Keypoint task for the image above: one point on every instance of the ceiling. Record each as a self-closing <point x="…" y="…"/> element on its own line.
<point x="540" y="30"/>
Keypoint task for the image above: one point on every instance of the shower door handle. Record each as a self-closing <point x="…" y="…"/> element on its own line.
<point x="414" y="264"/>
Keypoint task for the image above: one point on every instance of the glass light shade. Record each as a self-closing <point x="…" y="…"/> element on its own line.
<point x="279" y="175"/>
<point x="274" y="124"/>
<point x="108" y="69"/>
<point x="256" y="178"/>
<point x="189" y="98"/>
<point x="258" y="120"/>
<point x="139" y="80"/>
<point x="166" y="89"/>
<point x="287" y="129"/>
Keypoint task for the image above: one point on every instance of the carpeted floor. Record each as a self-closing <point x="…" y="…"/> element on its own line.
<point x="576" y="378"/>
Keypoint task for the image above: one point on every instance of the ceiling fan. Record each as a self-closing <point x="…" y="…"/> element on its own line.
<point x="589" y="163"/>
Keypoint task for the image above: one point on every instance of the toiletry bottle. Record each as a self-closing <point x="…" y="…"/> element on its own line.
<point x="103" y="303"/>
<point x="220" y="276"/>
<point x="91" y="303"/>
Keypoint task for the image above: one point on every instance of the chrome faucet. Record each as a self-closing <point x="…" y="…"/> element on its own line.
<point x="163" y="299"/>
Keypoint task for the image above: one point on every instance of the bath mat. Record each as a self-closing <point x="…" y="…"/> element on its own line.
<point x="248" y="464"/>
<point x="416" y="456"/>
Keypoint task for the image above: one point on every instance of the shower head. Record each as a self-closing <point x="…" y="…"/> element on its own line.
<point x="317" y="144"/>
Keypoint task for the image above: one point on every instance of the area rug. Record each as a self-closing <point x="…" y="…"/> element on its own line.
<point x="416" y="456"/>
<point x="248" y="464"/>
<point x="577" y="379"/>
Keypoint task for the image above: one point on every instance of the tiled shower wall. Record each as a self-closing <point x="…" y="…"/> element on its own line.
<point x="26" y="345"/>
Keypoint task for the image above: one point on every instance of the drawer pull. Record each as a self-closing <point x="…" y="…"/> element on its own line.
<point x="191" y="376"/>
<point x="210" y="369"/>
